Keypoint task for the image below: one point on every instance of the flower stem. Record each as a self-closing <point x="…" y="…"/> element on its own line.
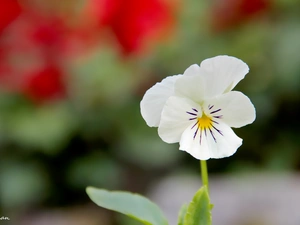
<point x="204" y="173"/>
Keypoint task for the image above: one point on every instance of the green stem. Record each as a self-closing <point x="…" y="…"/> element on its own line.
<point x="204" y="173"/>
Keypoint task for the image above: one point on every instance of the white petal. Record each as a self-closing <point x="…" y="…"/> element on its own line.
<point x="175" y="119"/>
<point x="223" y="73"/>
<point x="192" y="70"/>
<point x="192" y="87"/>
<point x="212" y="145"/>
<point x="192" y="145"/>
<point x="234" y="108"/>
<point x="155" y="99"/>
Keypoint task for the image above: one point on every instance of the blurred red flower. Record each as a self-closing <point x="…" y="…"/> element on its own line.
<point x="46" y="83"/>
<point x="9" y="11"/>
<point x="49" y="33"/>
<point x="227" y="14"/>
<point x="31" y="54"/>
<point x="134" y="23"/>
<point x="42" y="39"/>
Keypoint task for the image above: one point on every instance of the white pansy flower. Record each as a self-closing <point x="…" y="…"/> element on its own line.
<point x="198" y="109"/>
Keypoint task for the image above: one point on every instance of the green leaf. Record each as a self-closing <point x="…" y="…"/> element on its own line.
<point x="182" y="213"/>
<point x="132" y="205"/>
<point x="199" y="210"/>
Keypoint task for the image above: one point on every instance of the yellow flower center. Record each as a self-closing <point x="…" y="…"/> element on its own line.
<point x="206" y="125"/>
<point x="205" y="122"/>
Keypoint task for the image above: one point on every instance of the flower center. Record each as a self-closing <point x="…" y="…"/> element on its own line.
<point x="206" y="125"/>
<point x="204" y="122"/>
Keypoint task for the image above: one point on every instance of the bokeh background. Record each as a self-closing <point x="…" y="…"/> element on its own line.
<point x="72" y="75"/>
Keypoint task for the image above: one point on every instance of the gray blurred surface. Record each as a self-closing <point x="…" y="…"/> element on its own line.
<point x="249" y="199"/>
